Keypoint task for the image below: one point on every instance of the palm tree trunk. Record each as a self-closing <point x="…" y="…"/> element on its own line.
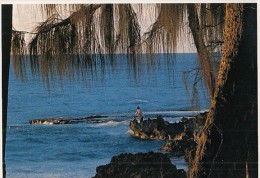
<point x="6" y="48"/>
<point x="197" y="34"/>
<point x="228" y="145"/>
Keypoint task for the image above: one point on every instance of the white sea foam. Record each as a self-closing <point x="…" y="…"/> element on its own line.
<point x="138" y="101"/>
<point x="109" y="123"/>
<point x="130" y="132"/>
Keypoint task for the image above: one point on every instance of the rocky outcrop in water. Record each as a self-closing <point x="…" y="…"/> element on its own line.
<point x="179" y="136"/>
<point x="140" y="165"/>
<point x="184" y="143"/>
<point x="155" y="128"/>
<point x="150" y="128"/>
<point x="70" y="120"/>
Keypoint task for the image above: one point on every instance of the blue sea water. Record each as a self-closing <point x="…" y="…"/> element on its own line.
<point x="76" y="150"/>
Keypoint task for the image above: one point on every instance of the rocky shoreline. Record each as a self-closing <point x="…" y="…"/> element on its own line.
<point x="180" y="141"/>
<point x="179" y="136"/>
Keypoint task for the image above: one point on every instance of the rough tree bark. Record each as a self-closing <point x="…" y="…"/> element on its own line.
<point x="228" y="146"/>
<point x="197" y="34"/>
<point x="6" y="48"/>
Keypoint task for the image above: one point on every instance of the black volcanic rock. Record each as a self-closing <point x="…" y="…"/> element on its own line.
<point x="184" y="143"/>
<point x="70" y="120"/>
<point x="179" y="147"/>
<point x="140" y="165"/>
<point x="160" y="129"/>
<point x="155" y="128"/>
<point x="179" y="136"/>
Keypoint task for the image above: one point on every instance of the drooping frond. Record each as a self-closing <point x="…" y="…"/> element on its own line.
<point x="129" y="28"/>
<point x="128" y="36"/>
<point x="90" y="31"/>
<point x="56" y="39"/>
<point x="64" y="36"/>
<point x="166" y="30"/>
<point x="107" y="27"/>
<point x="18" y="50"/>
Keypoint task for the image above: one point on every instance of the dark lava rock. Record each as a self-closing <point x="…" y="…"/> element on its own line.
<point x="184" y="143"/>
<point x="180" y="137"/>
<point x="155" y="128"/>
<point x="69" y="120"/>
<point x="179" y="147"/>
<point x="160" y="129"/>
<point x="140" y="165"/>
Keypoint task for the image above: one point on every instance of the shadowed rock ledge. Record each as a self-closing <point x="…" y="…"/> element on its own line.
<point x="140" y="165"/>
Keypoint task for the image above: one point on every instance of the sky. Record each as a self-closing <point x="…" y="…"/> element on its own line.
<point x="26" y="17"/>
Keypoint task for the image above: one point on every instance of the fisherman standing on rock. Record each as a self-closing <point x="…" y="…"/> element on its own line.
<point x="139" y="114"/>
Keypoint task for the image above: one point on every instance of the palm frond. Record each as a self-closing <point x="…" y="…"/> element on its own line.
<point x="166" y="30"/>
<point x="129" y="29"/>
<point x="18" y="50"/>
<point x="90" y="31"/>
<point x="107" y="27"/>
<point x="56" y="39"/>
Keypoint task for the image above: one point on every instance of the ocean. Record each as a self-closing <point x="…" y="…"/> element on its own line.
<point x="76" y="150"/>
